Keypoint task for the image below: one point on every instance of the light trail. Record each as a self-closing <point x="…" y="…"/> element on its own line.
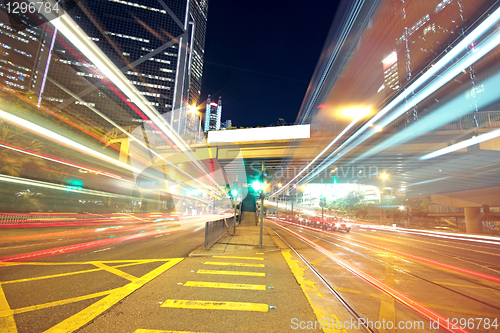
<point x="464" y="144"/>
<point x="393" y="110"/>
<point x="55" y="137"/>
<point x="456" y="236"/>
<point x="53" y="159"/>
<point x="348" y="127"/>
<point x="391" y="292"/>
<point x="407" y="255"/>
<point x="38" y="183"/>
<point x="88" y="245"/>
<point x="67" y="27"/>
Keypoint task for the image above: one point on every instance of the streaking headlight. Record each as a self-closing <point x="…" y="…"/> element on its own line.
<point x="337" y="224"/>
<point x="347" y="225"/>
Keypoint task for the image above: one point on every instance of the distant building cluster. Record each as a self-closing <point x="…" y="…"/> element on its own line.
<point x="213" y="114"/>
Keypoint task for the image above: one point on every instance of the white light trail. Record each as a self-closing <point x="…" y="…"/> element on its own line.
<point x="130" y="136"/>
<point x="87" y="47"/>
<point x="488" y="44"/>
<point x="38" y="183"/>
<point x="62" y="139"/>
<point x="61" y="162"/>
<point x="464" y="144"/>
<point x="319" y="155"/>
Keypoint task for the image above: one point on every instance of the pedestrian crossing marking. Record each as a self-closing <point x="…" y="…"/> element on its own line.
<point x="231" y="257"/>
<point x="215" y="305"/>
<point x="225" y="285"/>
<point x="239" y="264"/>
<point x="207" y="271"/>
<point x="162" y="331"/>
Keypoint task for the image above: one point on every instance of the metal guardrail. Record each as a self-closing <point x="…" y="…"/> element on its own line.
<point x="241" y="212"/>
<point x="11" y="218"/>
<point x="214" y="230"/>
<point x="75" y="218"/>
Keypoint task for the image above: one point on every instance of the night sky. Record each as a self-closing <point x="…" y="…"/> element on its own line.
<point x="260" y="56"/>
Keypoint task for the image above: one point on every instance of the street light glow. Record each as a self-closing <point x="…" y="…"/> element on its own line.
<point x="193" y="108"/>
<point x="355" y="113"/>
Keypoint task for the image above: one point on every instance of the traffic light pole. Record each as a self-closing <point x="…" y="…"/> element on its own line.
<point x="235" y="199"/>
<point x="234" y="219"/>
<point x="261" y="207"/>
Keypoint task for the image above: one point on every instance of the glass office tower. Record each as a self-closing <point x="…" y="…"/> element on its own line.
<point x="158" y="45"/>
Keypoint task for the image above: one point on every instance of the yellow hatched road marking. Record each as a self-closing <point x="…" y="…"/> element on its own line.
<point x="230" y="257"/>
<point x="63" y="302"/>
<point x="162" y="331"/>
<point x="12" y="263"/>
<point x="213" y="305"/>
<point x="239" y="264"/>
<point x="225" y="285"/>
<point x="86" y="315"/>
<point x="7" y="323"/>
<point x="207" y="271"/>
<point x="64" y="274"/>
<point x="116" y="272"/>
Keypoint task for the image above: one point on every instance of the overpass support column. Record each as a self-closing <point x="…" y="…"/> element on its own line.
<point x="473" y="222"/>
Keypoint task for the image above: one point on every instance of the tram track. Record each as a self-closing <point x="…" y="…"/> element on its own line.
<point x="415" y="275"/>
<point x="337" y="295"/>
<point x="395" y="295"/>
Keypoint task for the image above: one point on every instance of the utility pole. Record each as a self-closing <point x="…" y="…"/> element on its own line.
<point x="235" y="185"/>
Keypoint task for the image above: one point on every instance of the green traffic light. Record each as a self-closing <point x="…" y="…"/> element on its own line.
<point x="256" y="185"/>
<point x="234" y="193"/>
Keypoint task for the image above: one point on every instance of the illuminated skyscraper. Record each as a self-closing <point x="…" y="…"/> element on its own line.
<point x="158" y="45"/>
<point x="212" y="115"/>
<point x="24" y="50"/>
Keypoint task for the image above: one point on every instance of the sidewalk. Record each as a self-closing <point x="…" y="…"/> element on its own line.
<point x="234" y="287"/>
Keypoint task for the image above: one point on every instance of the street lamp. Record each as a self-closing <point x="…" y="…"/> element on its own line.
<point x="194" y="111"/>
<point x="402" y="208"/>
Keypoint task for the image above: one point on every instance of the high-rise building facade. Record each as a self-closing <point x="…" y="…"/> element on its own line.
<point x="213" y="114"/>
<point x="157" y="44"/>
<point x="24" y="51"/>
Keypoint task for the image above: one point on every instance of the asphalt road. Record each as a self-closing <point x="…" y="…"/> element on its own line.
<point x="53" y="287"/>
<point x="118" y="279"/>
<point x="122" y="286"/>
<point x="458" y="280"/>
